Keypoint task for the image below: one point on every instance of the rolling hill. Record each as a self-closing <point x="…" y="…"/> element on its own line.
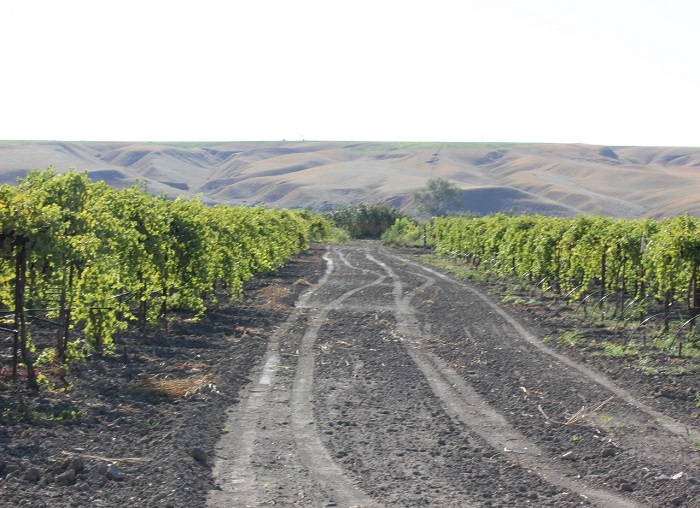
<point x="554" y="179"/>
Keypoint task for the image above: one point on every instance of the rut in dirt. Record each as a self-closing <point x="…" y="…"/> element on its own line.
<point x="311" y="459"/>
<point x="360" y="402"/>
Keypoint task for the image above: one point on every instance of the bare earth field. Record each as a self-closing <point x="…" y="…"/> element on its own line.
<point x="554" y="179"/>
<point x="358" y="377"/>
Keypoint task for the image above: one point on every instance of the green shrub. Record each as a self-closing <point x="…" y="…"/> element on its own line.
<point x="404" y="232"/>
<point x="365" y="221"/>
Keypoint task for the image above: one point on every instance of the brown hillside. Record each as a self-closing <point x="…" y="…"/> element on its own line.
<point x="554" y="179"/>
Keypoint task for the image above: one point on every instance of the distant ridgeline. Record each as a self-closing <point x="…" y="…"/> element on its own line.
<point x="550" y="179"/>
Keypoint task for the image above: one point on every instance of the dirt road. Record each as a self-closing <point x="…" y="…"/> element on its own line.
<point x="393" y="385"/>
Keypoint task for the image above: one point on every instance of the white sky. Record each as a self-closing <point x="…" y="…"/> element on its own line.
<point x="616" y="72"/>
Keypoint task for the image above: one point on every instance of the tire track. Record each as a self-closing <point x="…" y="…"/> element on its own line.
<point x="309" y="446"/>
<point x="408" y="446"/>
<point x="235" y="470"/>
<point x="464" y="404"/>
<point x="671" y="425"/>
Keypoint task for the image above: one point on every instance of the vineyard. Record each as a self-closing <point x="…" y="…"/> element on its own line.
<point x="87" y="261"/>
<point x="639" y="272"/>
<point x="354" y="360"/>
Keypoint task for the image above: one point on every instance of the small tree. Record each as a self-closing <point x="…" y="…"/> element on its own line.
<point x="437" y="198"/>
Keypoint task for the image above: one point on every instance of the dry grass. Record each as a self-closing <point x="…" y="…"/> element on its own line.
<point x="273" y="292"/>
<point x="275" y="306"/>
<point x="584" y="413"/>
<point x="571" y="178"/>
<point x="432" y="342"/>
<point x="248" y="330"/>
<point x="269" y="298"/>
<point x="581" y="415"/>
<point x="169" y="387"/>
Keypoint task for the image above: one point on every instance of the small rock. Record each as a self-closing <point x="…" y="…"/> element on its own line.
<point x="569" y="456"/>
<point x="198" y="454"/>
<point x="74" y="462"/>
<point x="32" y="474"/>
<point x="608" y="452"/>
<point x="626" y="487"/>
<point x="77" y="465"/>
<point x="113" y="473"/>
<point x="67" y="478"/>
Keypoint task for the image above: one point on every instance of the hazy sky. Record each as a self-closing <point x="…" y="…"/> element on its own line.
<point x="616" y="72"/>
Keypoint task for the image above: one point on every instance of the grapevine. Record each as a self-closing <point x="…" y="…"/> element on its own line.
<point x="94" y="260"/>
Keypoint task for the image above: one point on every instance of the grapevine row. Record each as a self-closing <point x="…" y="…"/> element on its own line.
<point x="95" y="259"/>
<point x="637" y="258"/>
